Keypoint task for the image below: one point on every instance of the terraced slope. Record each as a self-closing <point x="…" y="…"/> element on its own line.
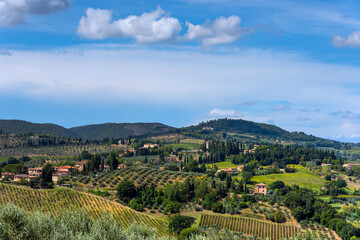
<point x="56" y="201"/>
<point x="250" y="226"/>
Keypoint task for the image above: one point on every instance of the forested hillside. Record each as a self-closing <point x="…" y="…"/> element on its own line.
<point x="120" y="130"/>
<point x="22" y="127"/>
<point x="252" y="131"/>
<point x="228" y="129"/>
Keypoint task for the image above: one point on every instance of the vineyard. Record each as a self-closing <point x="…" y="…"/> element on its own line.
<point x="216" y="233"/>
<point x="57" y="200"/>
<point x="321" y="232"/>
<point x="250" y="226"/>
<point x="66" y="150"/>
<point x="137" y="175"/>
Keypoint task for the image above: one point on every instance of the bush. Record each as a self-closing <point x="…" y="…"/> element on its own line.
<point x="186" y="233"/>
<point x="217" y="207"/>
<point x="172" y="207"/>
<point x="178" y="223"/>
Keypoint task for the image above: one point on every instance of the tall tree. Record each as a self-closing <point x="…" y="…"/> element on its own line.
<point x="47" y="172"/>
<point x="114" y="162"/>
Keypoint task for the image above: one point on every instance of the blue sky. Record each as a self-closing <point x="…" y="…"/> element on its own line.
<point x="294" y="64"/>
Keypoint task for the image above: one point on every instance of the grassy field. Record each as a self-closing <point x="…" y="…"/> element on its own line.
<point x="55" y="201"/>
<point x="221" y="165"/>
<point x="303" y="178"/>
<point x="188" y="144"/>
<point x="354" y="150"/>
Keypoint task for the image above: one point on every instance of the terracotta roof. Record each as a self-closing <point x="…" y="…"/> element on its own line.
<point x="261" y="184"/>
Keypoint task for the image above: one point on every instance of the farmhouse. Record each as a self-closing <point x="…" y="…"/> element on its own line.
<point x="150" y="145"/>
<point x="106" y="168"/>
<point x="64" y="170"/>
<point x="227" y="170"/>
<point x="80" y="165"/>
<point x="26" y="177"/>
<point x="325" y="164"/>
<point x="35" y="171"/>
<point x="261" y="188"/>
<point x="8" y="175"/>
<point x="350" y="165"/>
<point x="239" y="168"/>
<point x="172" y="159"/>
<point x="56" y="178"/>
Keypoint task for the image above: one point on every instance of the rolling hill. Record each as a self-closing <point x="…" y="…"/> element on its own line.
<point x="22" y="127"/>
<point x="237" y="129"/>
<point x="253" y="131"/>
<point x="91" y="132"/>
<point x="120" y="130"/>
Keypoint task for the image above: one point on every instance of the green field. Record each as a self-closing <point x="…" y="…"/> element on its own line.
<point x="303" y="178"/>
<point x="355" y="150"/>
<point x="221" y="165"/>
<point x="56" y="201"/>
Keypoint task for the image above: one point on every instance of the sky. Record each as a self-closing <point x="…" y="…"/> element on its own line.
<point x="294" y="64"/>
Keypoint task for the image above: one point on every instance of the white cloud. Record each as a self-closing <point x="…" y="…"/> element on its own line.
<point x="349" y="130"/>
<point x="221" y="31"/>
<point x="352" y="40"/>
<point x="13" y="12"/>
<point x="146" y="28"/>
<point x="222" y="113"/>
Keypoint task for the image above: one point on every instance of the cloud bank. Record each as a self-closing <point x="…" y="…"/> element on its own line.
<point x="190" y="79"/>
<point x="158" y="26"/>
<point x="147" y="28"/>
<point x="222" y="113"/>
<point x="14" y="12"/>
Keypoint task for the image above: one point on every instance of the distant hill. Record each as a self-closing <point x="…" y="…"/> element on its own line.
<point x="237" y="130"/>
<point x="91" y="132"/>
<point x="22" y="127"/>
<point x="120" y="130"/>
<point x="255" y="131"/>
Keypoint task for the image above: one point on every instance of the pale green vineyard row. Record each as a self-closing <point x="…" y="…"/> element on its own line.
<point x="57" y="200"/>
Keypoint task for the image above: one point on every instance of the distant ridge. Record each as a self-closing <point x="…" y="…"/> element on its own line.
<point x="208" y="129"/>
<point x="258" y="130"/>
<point x="21" y="127"/>
<point x="91" y="132"/>
<point x="120" y="130"/>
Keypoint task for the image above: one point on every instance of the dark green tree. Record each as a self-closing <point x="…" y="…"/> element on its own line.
<point x="47" y="172"/>
<point x="114" y="162"/>
<point x="178" y="223"/>
<point x="126" y="191"/>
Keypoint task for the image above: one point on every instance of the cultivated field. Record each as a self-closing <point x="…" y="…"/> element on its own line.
<point x="221" y="165"/>
<point x="302" y="178"/>
<point x="250" y="226"/>
<point x="68" y="150"/>
<point x="55" y="201"/>
<point x="137" y="175"/>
